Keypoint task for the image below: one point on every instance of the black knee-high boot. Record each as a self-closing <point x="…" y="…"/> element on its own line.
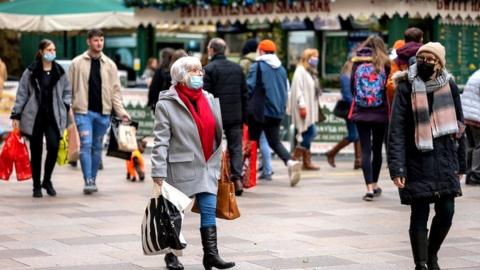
<point x="419" y="242"/>
<point x="435" y="240"/>
<point x="210" y="250"/>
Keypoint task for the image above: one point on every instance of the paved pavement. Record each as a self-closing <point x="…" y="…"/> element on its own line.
<point x="320" y="224"/>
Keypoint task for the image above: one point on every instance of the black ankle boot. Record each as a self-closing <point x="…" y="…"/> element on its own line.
<point x="172" y="262"/>
<point x="210" y="250"/>
<point x="419" y="243"/>
<point x="37" y="193"/>
<point x="47" y="185"/>
<point x="435" y="240"/>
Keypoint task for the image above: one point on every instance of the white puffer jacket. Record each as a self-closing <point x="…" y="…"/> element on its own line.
<point x="471" y="98"/>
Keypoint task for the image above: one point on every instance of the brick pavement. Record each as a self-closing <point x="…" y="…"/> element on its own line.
<point x="320" y="224"/>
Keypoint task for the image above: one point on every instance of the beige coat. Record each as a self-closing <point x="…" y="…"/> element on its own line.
<point x="111" y="96"/>
<point x="3" y="74"/>
<point x="302" y="94"/>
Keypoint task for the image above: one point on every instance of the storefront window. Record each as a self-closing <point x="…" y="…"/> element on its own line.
<point x="298" y="41"/>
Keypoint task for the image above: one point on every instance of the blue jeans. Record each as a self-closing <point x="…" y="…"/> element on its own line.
<point x="308" y="136"/>
<point x="266" y="154"/>
<point x="207" y="203"/>
<point x="91" y="128"/>
<point x="352" y="135"/>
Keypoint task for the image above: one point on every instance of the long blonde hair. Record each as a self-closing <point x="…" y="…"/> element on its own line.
<point x="380" y="57"/>
<point x="307" y="54"/>
<point x="347" y="68"/>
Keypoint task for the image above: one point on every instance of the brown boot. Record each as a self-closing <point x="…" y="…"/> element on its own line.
<point x="358" y="156"/>
<point x="307" y="162"/>
<point x="298" y="153"/>
<point x="333" y="152"/>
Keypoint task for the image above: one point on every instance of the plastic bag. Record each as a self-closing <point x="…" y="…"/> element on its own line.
<point x="6" y="160"/>
<point x="15" y="152"/>
<point x="162" y="222"/>
<point x="62" y="156"/>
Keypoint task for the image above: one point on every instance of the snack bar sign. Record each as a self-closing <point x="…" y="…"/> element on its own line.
<point x="280" y="7"/>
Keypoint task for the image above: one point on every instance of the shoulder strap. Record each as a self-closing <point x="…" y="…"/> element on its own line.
<point x="259" y="71"/>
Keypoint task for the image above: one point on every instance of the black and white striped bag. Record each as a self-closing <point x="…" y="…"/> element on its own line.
<point x="162" y="222"/>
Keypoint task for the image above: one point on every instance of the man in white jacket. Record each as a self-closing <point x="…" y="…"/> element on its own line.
<point x="471" y="112"/>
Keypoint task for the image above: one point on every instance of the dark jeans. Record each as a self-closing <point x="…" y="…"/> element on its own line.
<point x="308" y="136"/>
<point x="43" y="127"/>
<point x="234" y="134"/>
<point x="372" y="136"/>
<point x="473" y="154"/>
<point x="271" y="127"/>
<point x="444" y="210"/>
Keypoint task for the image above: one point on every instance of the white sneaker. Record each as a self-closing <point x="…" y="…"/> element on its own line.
<point x="294" y="169"/>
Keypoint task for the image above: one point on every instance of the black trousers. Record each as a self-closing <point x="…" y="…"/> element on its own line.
<point x="444" y="210"/>
<point x="43" y="127"/>
<point x="372" y="137"/>
<point x="473" y="154"/>
<point x="271" y="127"/>
<point x="234" y="134"/>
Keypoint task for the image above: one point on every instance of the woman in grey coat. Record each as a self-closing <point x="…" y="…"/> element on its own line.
<point x="41" y="105"/>
<point x="187" y="150"/>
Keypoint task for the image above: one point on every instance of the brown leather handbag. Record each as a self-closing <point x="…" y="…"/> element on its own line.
<point x="227" y="207"/>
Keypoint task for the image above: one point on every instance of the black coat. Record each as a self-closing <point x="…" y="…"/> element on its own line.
<point x="161" y="81"/>
<point x="226" y="81"/>
<point x="432" y="174"/>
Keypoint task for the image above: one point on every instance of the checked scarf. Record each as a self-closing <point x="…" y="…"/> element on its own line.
<point x="443" y="119"/>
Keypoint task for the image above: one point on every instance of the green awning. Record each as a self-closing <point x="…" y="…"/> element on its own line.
<point x="64" y="15"/>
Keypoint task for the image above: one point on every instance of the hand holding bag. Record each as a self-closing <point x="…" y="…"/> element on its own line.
<point x="127" y="138"/>
<point x="227" y="207"/>
<point x="113" y="148"/>
<point x="162" y="223"/>
<point x="21" y="158"/>
<point x="73" y="139"/>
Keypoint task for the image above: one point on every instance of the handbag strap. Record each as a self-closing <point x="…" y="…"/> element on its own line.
<point x="259" y="73"/>
<point x="224" y="175"/>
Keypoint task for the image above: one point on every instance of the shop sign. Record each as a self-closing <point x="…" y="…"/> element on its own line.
<point x="280" y="7"/>
<point x="447" y="5"/>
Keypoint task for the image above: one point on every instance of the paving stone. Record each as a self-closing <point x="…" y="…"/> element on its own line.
<point x="101" y="214"/>
<point x="124" y="266"/>
<point x="317" y="261"/>
<point x="331" y="233"/>
<point x="99" y="240"/>
<point x="19" y="253"/>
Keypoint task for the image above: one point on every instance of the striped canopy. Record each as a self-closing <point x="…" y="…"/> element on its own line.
<point x="64" y="15"/>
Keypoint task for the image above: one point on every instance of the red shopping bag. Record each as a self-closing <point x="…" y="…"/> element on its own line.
<point x="22" y="159"/>
<point x="249" y="160"/>
<point x="15" y="152"/>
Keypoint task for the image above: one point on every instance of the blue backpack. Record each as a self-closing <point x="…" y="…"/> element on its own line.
<point x="369" y="86"/>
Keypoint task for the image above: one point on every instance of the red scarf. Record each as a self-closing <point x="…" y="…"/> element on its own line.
<point x="202" y="115"/>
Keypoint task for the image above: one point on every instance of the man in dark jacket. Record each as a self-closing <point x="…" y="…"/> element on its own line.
<point x="226" y="81"/>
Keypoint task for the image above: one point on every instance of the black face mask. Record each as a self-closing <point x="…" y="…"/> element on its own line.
<point x="425" y="71"/>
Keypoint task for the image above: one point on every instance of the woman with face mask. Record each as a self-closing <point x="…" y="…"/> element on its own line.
<point x="42" y="102"/>
<point x="187" y="150"/>
<point x="426" y="150"/>
<point x="304" y="105"/>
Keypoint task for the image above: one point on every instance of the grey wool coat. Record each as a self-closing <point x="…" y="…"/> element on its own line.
<point x="177" y="154"/>
<point x="27" y="101"/>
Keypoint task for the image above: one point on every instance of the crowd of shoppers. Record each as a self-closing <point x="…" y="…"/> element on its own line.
<point x="412" y="98"/>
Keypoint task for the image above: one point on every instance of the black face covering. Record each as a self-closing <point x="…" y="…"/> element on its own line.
<point x="425" y="70"/>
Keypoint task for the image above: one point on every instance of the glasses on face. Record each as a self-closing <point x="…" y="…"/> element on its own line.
<point x="426" y="59"/>
<point x="196" y="71"/>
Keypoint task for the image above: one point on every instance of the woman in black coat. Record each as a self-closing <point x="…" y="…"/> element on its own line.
<point x="426" y="149"/>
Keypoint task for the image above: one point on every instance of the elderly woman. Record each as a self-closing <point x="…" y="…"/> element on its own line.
<point x="426" y="150"/>
<point x="187" y="150"/>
